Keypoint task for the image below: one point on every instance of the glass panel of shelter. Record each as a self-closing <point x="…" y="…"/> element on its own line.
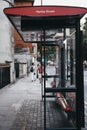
<point x="66" y="71"/>
<point x="65" y="76"/>
<point x="59" y="85"/>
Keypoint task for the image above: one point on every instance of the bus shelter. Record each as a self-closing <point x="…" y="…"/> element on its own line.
<point x="56" y="29"/>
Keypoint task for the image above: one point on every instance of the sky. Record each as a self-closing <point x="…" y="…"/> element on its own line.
<point x="82" y="3"/>
<point x="77" y="3"/>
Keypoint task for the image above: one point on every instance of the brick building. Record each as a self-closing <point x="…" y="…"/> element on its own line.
<point x="17" y="39"/>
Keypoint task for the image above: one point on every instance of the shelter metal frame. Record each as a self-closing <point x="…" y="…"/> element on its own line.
<point x="39" y="18"/>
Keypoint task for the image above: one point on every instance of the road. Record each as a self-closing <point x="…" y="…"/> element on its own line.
<point x="85" y="85"/>
<point x="85" y="96"/>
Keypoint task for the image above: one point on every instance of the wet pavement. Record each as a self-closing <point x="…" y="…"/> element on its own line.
<point x="21" y="108"/>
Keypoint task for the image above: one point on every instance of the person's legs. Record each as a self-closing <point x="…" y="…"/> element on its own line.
<point x="32" y="77"/>
<point x="39" y="75"/>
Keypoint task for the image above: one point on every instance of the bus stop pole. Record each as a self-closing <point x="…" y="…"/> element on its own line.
<point x="79" y="80"/>
<point x="63" y="61"/>
<point x="44" y="39"/>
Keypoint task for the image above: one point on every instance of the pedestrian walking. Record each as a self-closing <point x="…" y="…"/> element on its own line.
<point x="32" y="69"/>
<point x="40" y="72"/>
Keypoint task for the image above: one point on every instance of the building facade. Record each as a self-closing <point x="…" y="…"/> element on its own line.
<point x="8" y="42"/>
<point x="19" y="43"/>
<point x="7" y="72"/>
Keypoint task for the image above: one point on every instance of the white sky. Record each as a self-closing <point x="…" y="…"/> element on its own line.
<point x="81" y="3"/>
<point x="77" y="3"/>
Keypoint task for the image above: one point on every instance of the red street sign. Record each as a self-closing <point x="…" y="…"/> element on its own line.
<point x="46" y="11"/>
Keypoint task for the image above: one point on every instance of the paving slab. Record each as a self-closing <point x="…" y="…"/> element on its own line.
<point x="21" y="108"/>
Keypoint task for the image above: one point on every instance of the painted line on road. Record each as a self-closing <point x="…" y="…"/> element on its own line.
<point x="85" y="103"/>
<point x="85" y="108"/>
<point x="85" y="80"/>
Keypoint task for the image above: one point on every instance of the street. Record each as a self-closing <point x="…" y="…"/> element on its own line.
<point x="85" y="96"/>
<point x="21" y="99"/>
<point x="12" y="100"/>
<point x="21" y="107"/>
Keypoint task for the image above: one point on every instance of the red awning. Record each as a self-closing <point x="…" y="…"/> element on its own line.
<point x="46" y="11"/>
<point x="30" y="21"/>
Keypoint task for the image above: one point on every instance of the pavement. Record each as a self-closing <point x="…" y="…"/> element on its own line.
<point x="22" y="108"/>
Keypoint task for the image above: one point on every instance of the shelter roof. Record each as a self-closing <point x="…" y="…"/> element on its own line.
<point x="30" y="21"/>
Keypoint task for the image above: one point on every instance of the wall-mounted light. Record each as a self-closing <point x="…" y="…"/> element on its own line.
<point x="8" y="62"/>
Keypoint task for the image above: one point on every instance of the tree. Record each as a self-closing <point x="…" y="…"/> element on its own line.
<point x="85" y="40"/>
<point x="50" y="52"/>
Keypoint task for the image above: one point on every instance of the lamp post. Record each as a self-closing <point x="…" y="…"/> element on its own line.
<point x="41" y="2"/>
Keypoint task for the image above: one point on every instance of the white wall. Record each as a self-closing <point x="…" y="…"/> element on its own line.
<point x="5" y="35"/>
<point x="24" y="60"/>
<point x="6" y="38"/>
<point x="22" y="70"/>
